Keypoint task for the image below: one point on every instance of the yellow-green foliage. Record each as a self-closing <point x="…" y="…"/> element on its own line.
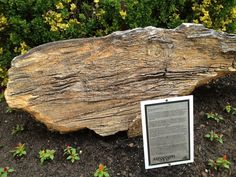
<point x="3" y="22"/>
<point x="22" y="49"/>
<point x="63" y="17"/>
<point x="27" y="23"/>
<point x="3" y="76"/>
<point x="217" y="14"/>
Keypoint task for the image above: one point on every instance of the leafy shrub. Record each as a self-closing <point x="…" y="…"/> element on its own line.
<point x="217" y="14"/>
<point x="25" y="24"/>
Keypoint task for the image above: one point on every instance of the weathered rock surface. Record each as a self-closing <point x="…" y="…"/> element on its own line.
<point x="97" y="83"/>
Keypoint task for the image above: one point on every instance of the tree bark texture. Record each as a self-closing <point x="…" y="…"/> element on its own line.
<point x="98" y="83"/>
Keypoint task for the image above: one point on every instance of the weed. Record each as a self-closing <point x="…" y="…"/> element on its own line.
<point x="9" y="110"/>
<point x="17" y="129"/>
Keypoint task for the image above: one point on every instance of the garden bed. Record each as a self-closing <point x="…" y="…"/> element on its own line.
<point x="123" y="156"/>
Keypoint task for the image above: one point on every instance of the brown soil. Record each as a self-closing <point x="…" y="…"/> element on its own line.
<point x="123" y="156"/>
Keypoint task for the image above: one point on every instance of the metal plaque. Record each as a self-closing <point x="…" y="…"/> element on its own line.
<point x="167" y="131"/>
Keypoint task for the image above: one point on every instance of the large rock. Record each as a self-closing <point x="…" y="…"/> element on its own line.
<point x="98" y="83"/>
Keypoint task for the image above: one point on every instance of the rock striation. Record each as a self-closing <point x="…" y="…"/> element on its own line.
<point x="98" y="83"/>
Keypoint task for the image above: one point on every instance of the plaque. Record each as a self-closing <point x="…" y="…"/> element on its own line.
<point x="167" y="131"/>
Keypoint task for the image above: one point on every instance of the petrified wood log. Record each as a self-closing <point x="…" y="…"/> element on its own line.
<point x="97" y="83"/>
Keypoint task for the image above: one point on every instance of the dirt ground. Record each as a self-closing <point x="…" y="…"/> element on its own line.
<point x="123" y="156"/>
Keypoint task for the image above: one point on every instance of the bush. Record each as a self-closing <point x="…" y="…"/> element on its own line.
<point x="217" y="14"/>
<point x="25" y="24"/>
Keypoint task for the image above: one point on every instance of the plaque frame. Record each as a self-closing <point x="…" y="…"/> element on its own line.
<point x="146" y="147"/>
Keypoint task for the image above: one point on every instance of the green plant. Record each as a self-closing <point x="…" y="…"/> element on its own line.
<point x="212" y="136"/>
<point x="46" y="155"/>
<point x="101" y="171"/>
<point x="9" y="110"/>
<point x="2" y="96"/>
<point x="19" y="150"/>
<point x="17" y="129"/>
<point x="219" y="163"/>
<point x="71" y="153"/>
<point x="3" y="76"/>
<point x="233" y="111"/>
<point x="5" y="171"/>
<point x="228" y="108"/>
<point x="217" y="14"/>
<point x="214" y="116"/>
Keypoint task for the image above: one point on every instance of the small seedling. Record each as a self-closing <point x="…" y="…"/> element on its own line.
<point x="212" y="136"/>
<point x="101" y="171"/>
<point x="9" y="110"/>
<point x="228" y="108"/>
<point x="19" y="150"/>
<point x="71" y="154"/>
<point x="17" y="129"/>
<point x="214" y="116"/>
<point x="5" y="171"/>
<point x="220" y="163"/>
<point x="46" y="155"/>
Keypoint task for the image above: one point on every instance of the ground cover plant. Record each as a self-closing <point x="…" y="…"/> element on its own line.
<point x="71" y="153"/>
<point x="46" y="155"/>
<point x="17" y="129"/>
<point x="219" y="163"/>
<point x="4" y="172"/>
<point x="214" y="116"/>
<point x="101" y="171"/>
<point x="19" y="150"/>
<point x="212" y="136"/>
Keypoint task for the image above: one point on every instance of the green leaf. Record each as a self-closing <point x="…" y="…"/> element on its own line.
<point x="4" y="175"/>
<point x="11" y="170"/>
<point x="221" y="141"/>
<point x="96" y="173"/>
<point x="42" y="160"/>
<point x="226" y="166"/>
<point x="228" y="108"/>
<point x="234" y="111"/>
<point x="52" y="156"/>
<point x="106" y="174"/>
